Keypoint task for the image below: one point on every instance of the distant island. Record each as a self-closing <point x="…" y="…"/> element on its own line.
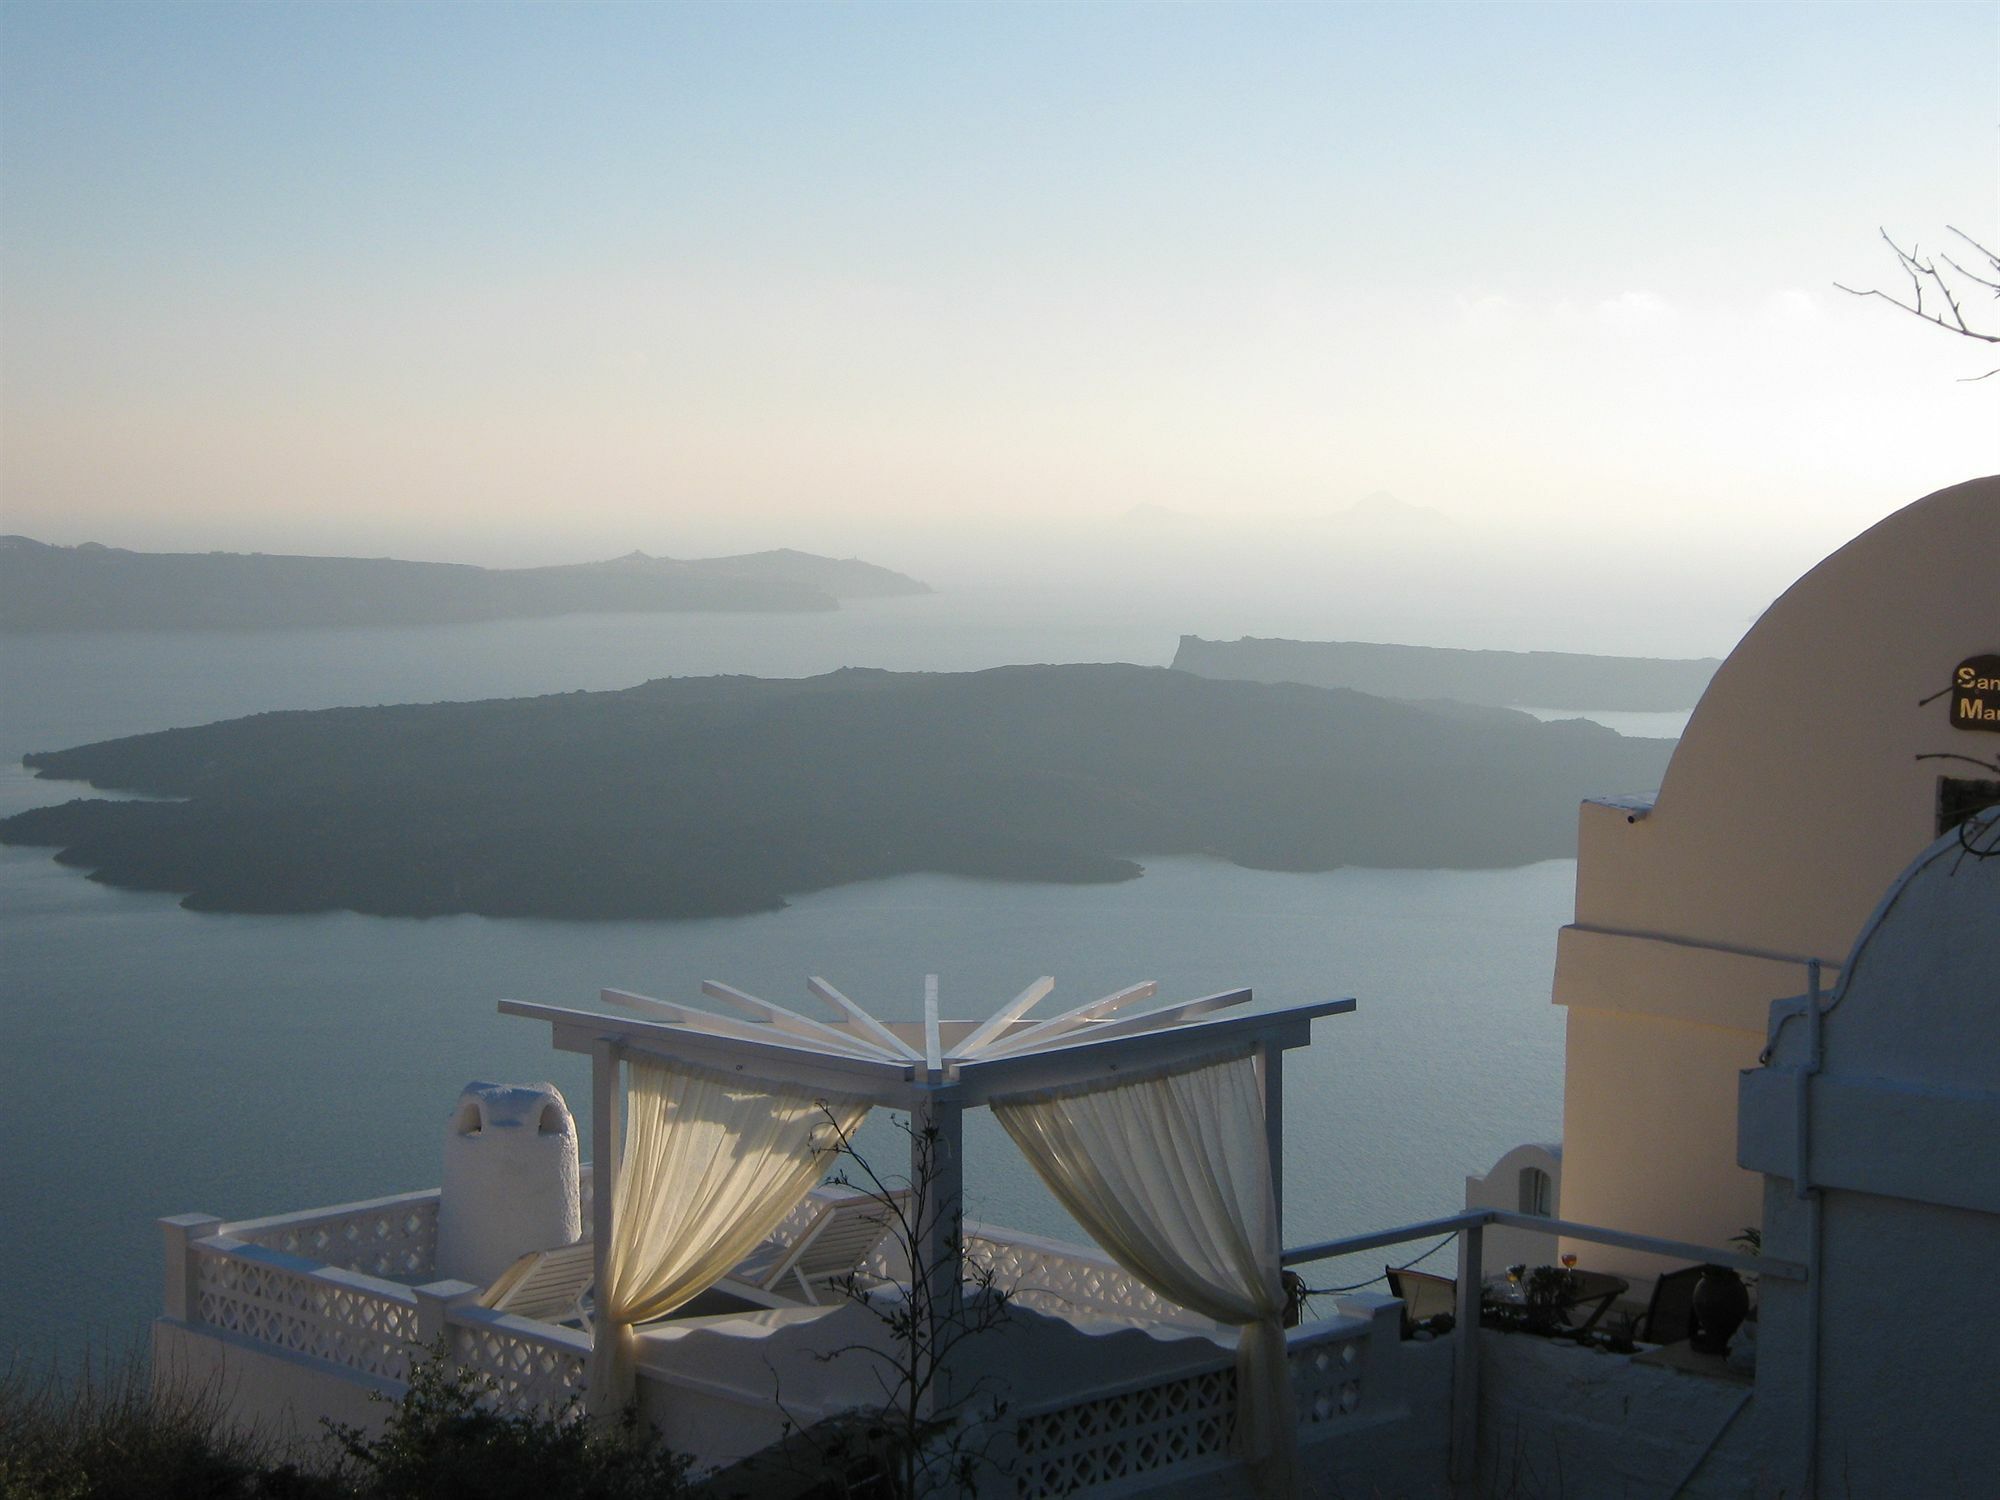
<point x="1541" y="679"/>
<point x="90" y="587"/>
<point x="692" y="797"/>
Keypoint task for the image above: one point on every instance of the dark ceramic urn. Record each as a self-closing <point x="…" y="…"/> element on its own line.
<point x="1720" y="1301"/>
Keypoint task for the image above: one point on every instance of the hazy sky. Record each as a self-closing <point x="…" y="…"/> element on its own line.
<point x="936" y="283"/>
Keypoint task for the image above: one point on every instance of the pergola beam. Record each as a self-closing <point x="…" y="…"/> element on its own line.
<point x="873" y="1029"/>
<point x="788" y="1020"/>
<point x="997" y="1023"/>
<point x="933" y="1060"/>
<point x="775" y="1058"/>
<point x="692" y="1018"/>
<point x="1166" y="1015"/>
<point x="1070" y="1020"/>
<point x="1090" y="1058"/>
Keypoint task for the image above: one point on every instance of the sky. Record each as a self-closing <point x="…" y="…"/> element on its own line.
<point x="988" y="291"/>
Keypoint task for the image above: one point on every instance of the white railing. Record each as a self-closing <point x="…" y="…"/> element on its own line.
<point x="532" y="1369"/>
<point x="1470" y="1227"/>
<point x="289" y="1303"/>
<point x="369" y="1325"/>
<point x="334" y="1284"/>
<point x="1329" y="1371"/>
<point x="395" y="1238"/>
<point x="1127" y="1432"/>
<point x="1067" y="1281"/>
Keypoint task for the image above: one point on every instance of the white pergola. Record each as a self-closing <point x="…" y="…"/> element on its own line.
<point x="933" y="1069"/>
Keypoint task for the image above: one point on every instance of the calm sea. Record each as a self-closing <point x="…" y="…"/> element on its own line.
<point x="157" y="1061"/>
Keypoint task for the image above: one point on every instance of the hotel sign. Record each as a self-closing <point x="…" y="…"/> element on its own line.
<point x="1975" y="694"/>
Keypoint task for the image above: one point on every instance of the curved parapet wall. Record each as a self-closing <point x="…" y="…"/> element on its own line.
<point x="1795" y="795"/>
<point x="1800" y="759"/>
<point x="1527" y="1180"/>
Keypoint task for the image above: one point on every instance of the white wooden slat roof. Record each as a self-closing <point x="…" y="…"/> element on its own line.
<point x="859" y="1054"/>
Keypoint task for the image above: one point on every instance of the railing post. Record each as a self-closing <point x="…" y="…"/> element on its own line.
<point x="1384" y="1374"/>
<point x="607" y="1147"/>
<point x="1271" y="1061"/>
<point x="435" y="1303"/>
<point x="182" y="1299"/>
<point x="1465" y="1358"/>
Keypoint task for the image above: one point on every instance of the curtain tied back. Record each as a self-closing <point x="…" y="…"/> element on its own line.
<point x="712" y="1164"/>
<point x="1171" y="1174"/>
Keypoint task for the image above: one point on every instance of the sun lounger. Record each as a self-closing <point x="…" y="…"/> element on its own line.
<point x="546" y="1285"/>
<point x="833" y="1244"/>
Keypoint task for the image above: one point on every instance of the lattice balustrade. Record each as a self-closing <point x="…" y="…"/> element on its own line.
<point x="529" y="1375"/>
<point x="1063" y="1281"/>
<point x="394" y="1238"/>
<point x="1326" y="1379"/>
<point x="1113" y="1438"/>
<point x="305" y="1312"/>
<point x="1121" y="1437"/>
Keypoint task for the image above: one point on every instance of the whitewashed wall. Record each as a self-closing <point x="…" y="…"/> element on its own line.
<point x="1558" y="1420"/>
<point x="1903" y="1144"/>
<point x="276" y="1395"/>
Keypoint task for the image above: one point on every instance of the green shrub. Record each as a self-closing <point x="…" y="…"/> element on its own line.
<point x="115" y="1438"/>
<point x="109" y="1436"/>
<point x="442" y="1443"/>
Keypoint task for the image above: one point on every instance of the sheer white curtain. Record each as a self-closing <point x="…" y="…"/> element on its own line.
<point x="712" y="1163"/>
<point x="1171" y="1173"/>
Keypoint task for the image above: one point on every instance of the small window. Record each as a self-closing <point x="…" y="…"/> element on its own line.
<point x="1538" y="1193"/>
<point x="1958" y="798"/>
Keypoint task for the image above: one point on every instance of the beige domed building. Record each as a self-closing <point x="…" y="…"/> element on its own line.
<point x="1807" y="779"/>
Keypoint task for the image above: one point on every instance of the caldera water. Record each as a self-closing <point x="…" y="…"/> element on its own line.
<point x="157" y="1061"/>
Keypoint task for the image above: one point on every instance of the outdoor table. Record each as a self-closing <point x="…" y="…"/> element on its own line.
<point x="1600" y="1288"/>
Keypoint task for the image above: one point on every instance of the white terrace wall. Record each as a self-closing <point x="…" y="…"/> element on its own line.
<point x="272" y="1393"/>
<point x="1902" y="1144"/>
<point x="1793" y="798"/>
<point x="1105" y="1386"/>
<point x="1557" y="1420"/>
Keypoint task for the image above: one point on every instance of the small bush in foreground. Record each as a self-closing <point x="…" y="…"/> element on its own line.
<point x="440" y="1443"/>
<point x="115" y="1438"/>
<point x="110" y="1437"/>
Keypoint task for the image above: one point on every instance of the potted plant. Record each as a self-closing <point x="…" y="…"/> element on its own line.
<point x="1547" y="1291"/>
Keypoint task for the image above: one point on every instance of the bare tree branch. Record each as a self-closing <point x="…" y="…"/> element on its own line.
<point x="931" y="1432"/>
<point x="1992" y="261"/>
<point x="1928" y="281"/>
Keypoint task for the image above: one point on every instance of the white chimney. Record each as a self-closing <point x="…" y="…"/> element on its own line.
<point x="510" y="1179"/>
